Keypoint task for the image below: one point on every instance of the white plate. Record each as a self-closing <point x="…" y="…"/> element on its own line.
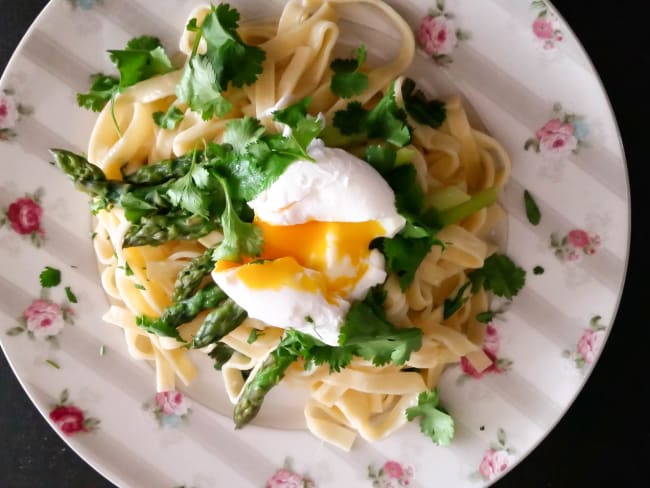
<point x="532" y="86"/>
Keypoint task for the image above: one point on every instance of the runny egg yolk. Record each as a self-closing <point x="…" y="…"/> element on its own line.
<point x="337" y="251"/>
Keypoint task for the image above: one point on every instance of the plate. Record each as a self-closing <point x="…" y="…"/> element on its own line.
<point x="529" y="83"/>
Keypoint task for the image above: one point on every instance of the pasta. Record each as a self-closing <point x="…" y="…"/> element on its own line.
<point x="362" y="399"/>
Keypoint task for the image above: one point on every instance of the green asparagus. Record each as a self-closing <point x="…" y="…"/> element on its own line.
<point x="218" y="323"/>
<point x="154" y="174"/>
<point x="154" y="230"/>
<point x="183" y="311"/>
<point x="270" y="373"/>
<point x="190" y="277"/>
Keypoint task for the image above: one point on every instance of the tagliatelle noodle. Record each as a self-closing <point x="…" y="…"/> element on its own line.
<point x="361" y="400"/>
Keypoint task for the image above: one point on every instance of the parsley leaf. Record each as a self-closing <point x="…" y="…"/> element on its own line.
<point x="254" y="334"/>
<point x="499" y="274"/>
<point x="157" y="327"/>
<point x="239" y="237"/>
<point x="434" y="421"/>
<point x="352" y="120"/>
<point x="453" y="305"/>
<point x="50" y="277"/>
<point x="429" y="112"/>
<point x="185" y="191"/>
<point x="102" y="89"/>
<point x="404" y="255"/>
<point x="538" y="270"/>
<point x="347" y="81"/>
<point x="170" y="119"/>
<point x="532" y="210"/>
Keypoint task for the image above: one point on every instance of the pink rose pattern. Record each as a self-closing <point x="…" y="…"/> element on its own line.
<point x="589" y="344"/>
<point x="10" y="113"/>
<point x="71" y="419"/>
<point x="574" y="245"/>
<point x="546" y="26"/>
<point x="24" y="216"/>
<point x="170" y="408"/>
<point x="391" y="475"/>
<point x="497" y="459"/>
<point x="286" y="477"/>
<point x="491" y="344"/>
<point x="43" y="319"/>
<point x="438" y="35"/>
<point x="562" y="135"/>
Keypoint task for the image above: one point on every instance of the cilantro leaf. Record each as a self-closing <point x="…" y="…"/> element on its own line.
<point x="429" y="112"/>
<point x="372" y="337"/>
<point x="227" y="60"/>
<point x="50" y="277"/>
<point x="185" y="191"/>
<point x="170" y="119"/>
<point x="233" y="61"/>
<point x="221" y="354"/>
<point x="199" y="90"/>
<point x="157" y="327"/>
<point x="254" y="334"/>
<point x="239" y="237"/>
<point x="404" y="255"/>
<point x="352" y="120"/>
<point x="500" y="275"/>
<point x="240" y="133"/>
<point x="532" y="210"/>
<point x="304" y="128"/>
<point x="453" y="305"/>
<point x="485" y="317"/>
<point x="143" y="58"/>
<point x="381" y="158"/>
<point x="102" y="89"/>
<point x="434" y="421"/>
<point x="347" y="81"/>
<point x="385" y="121"/>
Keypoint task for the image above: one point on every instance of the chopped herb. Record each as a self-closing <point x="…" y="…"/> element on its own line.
<point x="221" y="354"/>
<point x="309" y="319"/>
<point x="254" y="335"/>
<point x="53" y="364"/>
<point x="102" y="350"/>
<point x="72" y="298"/>
<point x="93" y="235"/>
<point x="50" y="277"/>
<point x="127" y="269"/>
<point x="532" y="210"/>
<point x="538" y="270"/>
<point x="139" y="286"/>
<point x="453" y="305"/>
<point x="485" y="317"/>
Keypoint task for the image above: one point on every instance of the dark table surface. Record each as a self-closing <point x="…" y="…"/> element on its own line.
<point x="604" y="438"/>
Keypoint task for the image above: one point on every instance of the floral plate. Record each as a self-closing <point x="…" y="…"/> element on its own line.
<point x="532" y="87"/>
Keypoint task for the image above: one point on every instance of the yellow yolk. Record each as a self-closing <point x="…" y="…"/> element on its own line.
<point x="337" y="250"/>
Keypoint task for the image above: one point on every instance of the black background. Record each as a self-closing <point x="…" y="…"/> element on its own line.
<point x="605" y="437"/>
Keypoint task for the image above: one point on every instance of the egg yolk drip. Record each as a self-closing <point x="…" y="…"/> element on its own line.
<point x="325" y="257"/>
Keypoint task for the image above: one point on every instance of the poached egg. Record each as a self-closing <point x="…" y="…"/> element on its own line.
<point x="317" y="219"/>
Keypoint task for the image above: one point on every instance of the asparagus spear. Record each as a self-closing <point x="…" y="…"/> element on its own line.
<point x="190" y="277"/>
<point x="160" y="172"/>
<point x="182" y="312"/>
<point x="219" y="323"/>
<point x="269" y="375"/>
<point x="154" y="230"/>
<point x="90" y="179"/>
